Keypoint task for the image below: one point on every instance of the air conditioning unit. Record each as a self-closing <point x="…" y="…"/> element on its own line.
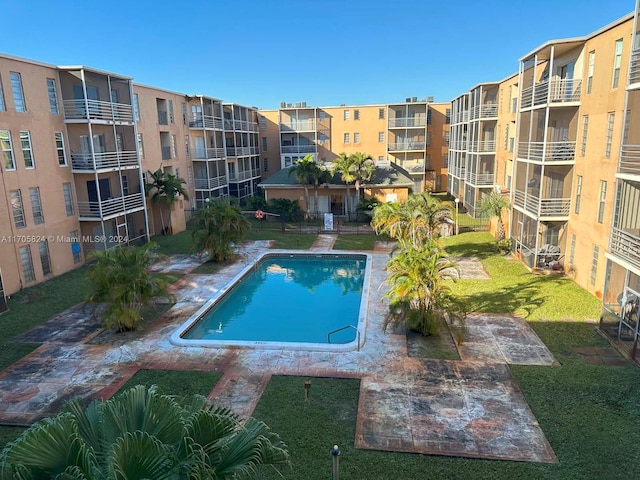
<point x="303" y="104"/>
<point x="407" y="100"/>
<point x="298" y="105"/>
<point x="414" y="99"/>
<point x="283" y="104"/>
<point x="430" y="99"/>
<point x="289" y="105"/>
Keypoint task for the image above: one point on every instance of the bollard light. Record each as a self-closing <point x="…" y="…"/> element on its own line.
<point x="335" y="453"/>
<point x="307" y="388"/>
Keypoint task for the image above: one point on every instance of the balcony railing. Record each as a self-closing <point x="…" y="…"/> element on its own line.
<point x="460" y="117"/>
<point x="458" y="145"/>
<point x="629" y="159"/>
<point x="485" y="146"/>
<point x="163" y="118"/>
<point x="479" y="179"/>
<point x="206" y="153"/>
<point x="210" y="183"/>
<point x="104" y="160"/>
<point x="239" y="151"/>
<point x="634" y="67"/>
<point x="407" y="122"/>
<point x="245" y="175"/>
<point x="198" y="120"/>
<point x="110" y="207"/>
<point x="486" y="110"/>
<point x="298" y="126"/>
<point x="548" y="152"/>
<point x="560" y="90"/>
<point x="299" y="148"/>
<point x="403" y="146"/>
<point x="545" y="207"/>
<point x="625" y="246"/>
<point x="97" y="110"/>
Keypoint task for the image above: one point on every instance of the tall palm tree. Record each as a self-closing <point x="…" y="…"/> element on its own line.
<point x="121" y="278"/>
<point x="304" y="170"/>
<point x="142" y="434"/>
<point x="343" y="165"/>
<point x="165" y="189"/>
<point x="219" y="226"/>
<point x="492" y="205"/>
<point x="362" y="169"/>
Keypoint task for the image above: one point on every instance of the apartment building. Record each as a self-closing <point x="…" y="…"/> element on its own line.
<point x="572" y="92"/>
<point x="621" y="294"/>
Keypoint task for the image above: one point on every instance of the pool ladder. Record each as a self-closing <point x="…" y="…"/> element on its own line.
<point x="344" y="328"/>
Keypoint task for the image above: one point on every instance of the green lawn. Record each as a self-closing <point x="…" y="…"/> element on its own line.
<point x="178" y="243"/>
<point x="290" y="241"/>
<point x="183" y="384"/>
<point x="347" y="241"/>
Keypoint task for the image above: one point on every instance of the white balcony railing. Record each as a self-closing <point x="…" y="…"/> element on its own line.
<point x="485" y="146"/>
<point x="299" y="148"/>
<point x="208" y="153"/>
<point x="559" y="90"/>
<point x="484" y="111"/>
<point x="634" y="67"/>
<point x="97" y="110"/>
<point x="239" y="151"/>
<point x="407" y="122"/>
<point x="545" y="207"/>
<point x="548" y="152"/>
<point x="110" y="207"/>
<point x="404" y="146"/>
<point x="245" y="175"/>
<point x="298" y="125"/>
<point x="104" y="160"/>
<point x="625" y="246"/>
<point x="198" y="120"/>
<point x="629" y="159"/>
<point x="210" y="183"/>
<point x="479" y="179"/>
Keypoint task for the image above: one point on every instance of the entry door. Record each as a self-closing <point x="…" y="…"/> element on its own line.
<point x="566" y="73"/>
<point x="200" y="147"/>
<point x="3" y="300"/>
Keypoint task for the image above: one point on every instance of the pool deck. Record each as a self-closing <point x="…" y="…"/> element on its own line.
<point x="472" y="407"/>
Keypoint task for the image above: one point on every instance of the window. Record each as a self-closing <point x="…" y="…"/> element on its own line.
<point x="75" y="247"/>
<point x="263" y="123"/>
<point x="447" y="116"/>
<point x="610" y="122"/>
<point x="323" y="138"/>
<point x="514" y="104"/>
<point x="380" y="137"/>
<point x="616" y="64"/>
<point x="323" y="115"/>
<point x="17" y="210"/>
<point x="429" y="117"/>
<point x="36" y="205"/>
<point x="512" y="142"/>
<point x="427" y="161"/>
<point x="27" y="264"/>
<point x="171" y="117"/>
<point x="592" y="62"/>
<point x="43" y="247"/>
<point x="114" y="96"/>
<point x="7" y="150"/>
<point x="506" y="136"/>
<point x="447" y="137"/>
<point x="445" y="160"/>
<point x="136" y="108"/>
<point x="346" y="115"/>
<point x="381" y="158"/>
<point x="18" y="94"/>
<point x="187" y="145"/>
<point x="356" y="137"/>
<point x="585" y="129"/>
<point x="578" y="194"/>
<point x="603" y="199"/>
<point x="190" y="176"/>
<point x="174" y="146"/>
<point x="356" y="114"/>
<point x="2" y="105"/>
<point x="68" y="199"/>
<point x="53" y="97"/>
<point x="572" y="251"/>
<point x="183" y="108"/>
<point x="27" y="152"/>
<point x="346" y="138"/>
<point x="62" y="156"/>
<point x="265" y="162"/>
<point x="381" y="114"/>
<point x="264" y="144"/>
<point x="140" y="146"/>
<point x="594" y="264"/>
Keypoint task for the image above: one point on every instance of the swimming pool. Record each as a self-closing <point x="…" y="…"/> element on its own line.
<point x="290" y="300"/>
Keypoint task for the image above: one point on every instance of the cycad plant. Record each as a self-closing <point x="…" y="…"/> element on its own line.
<point x="219" y="227"/>
<point x="142" y="434"/>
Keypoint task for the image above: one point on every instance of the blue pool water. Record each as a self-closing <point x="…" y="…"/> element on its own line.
<point x="289" y="298"/>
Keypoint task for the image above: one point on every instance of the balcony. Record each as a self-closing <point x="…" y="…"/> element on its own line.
<point x="111" y="207"/>
<point x="84" y="162"/>
<point x="166" y="153"/>
<point x="484" y="111"/>
<point x="549" y="152"/>
<point x="210" y="183"/>
<point x="485" y="146"/>
<point x="77" y="110"/>
<point x="625" y="246"/>
<point x="246" y="175"/>
<point x="629" y="159"/>
<point x="458" y="145"/>
<point x="545" y="207"/>
<point x="479" y="179"/>
<point x="208" y="153"/>
<point x="413" y="167"/>
<point x="240" y="151"/>
<point x="559" y="90"/>
<point x="634" y="67"/>
<point x="163" y="118"/>
<point x="198" y="121"/>
<point x="299" y="148"/>
<point x="407" y="146"/>
<point x="407" y="122"/>
<point x="298" y="126"/>
<point x="460" y="117"/>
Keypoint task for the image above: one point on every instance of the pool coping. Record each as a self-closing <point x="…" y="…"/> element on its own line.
<point x="356" y="344"/>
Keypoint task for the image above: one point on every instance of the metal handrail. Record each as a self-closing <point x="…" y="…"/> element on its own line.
<point x="344" y="328"/>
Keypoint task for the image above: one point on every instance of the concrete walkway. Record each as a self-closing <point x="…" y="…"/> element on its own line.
<point x="469" y="407"/>
<point x="324" y="242"/>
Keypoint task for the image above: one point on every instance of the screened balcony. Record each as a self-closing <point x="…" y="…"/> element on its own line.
<point x="111" y="207"/>
<point x="86" y="162"/>
<point x="95" y="110"/>
<point x="547" y="152"/>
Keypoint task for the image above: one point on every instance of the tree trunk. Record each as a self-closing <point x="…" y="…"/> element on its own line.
<point x="500" y="234"/>
<point x="315" y="197"/>
<point x="306" y="199"/>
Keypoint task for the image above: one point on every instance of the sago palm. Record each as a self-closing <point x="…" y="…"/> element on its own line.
<point x="219" y="227"/>
<point x="142" y="434"/>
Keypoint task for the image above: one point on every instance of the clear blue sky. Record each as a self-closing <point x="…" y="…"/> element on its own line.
<point x="324" y="52"/>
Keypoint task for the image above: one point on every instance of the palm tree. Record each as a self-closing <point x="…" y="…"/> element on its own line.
<point x="362" y="169"/>
<point x="164" y="189"/>
<point x="219" y="226"/>
<point x="304" y="170"/>
<point x="419" y="296"/>
<point x="142" y="434"/>
<point x="121" y="278"/>
<point x="492" y="205"/>
<point x="343" y="165"/>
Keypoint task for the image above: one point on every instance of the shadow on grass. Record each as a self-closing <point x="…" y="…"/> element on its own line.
<point x="521" y="298"/>
<point x="472" y="249"/>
